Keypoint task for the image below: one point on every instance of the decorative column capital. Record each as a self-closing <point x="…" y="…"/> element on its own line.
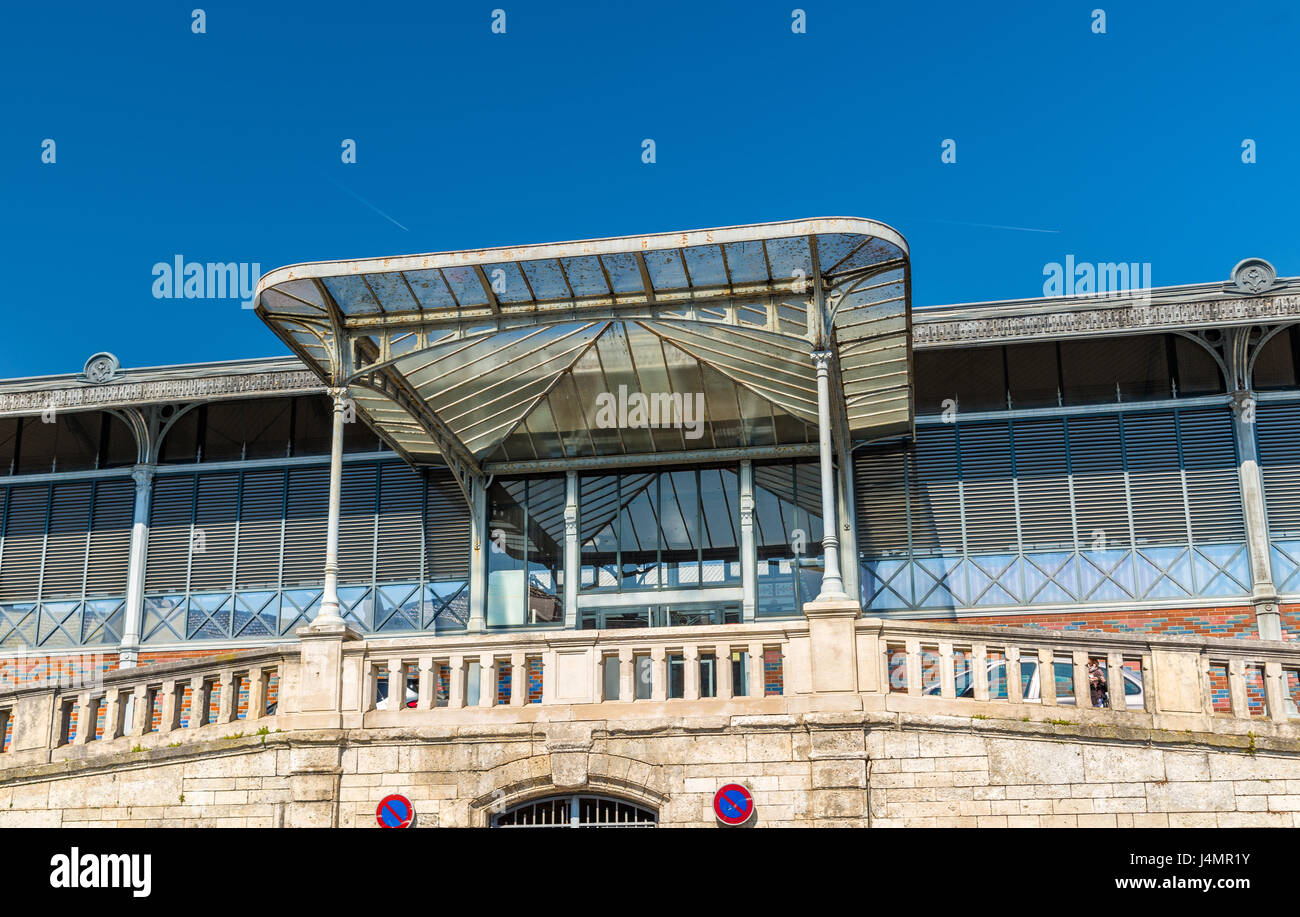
<point x="821" y="360"/>
<point x="143" y="475"/>
<point x="339" y="393"/>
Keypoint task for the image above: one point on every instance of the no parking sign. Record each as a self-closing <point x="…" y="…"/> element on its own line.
<point x="733" y="804"/>
<point x="395" y="811"/>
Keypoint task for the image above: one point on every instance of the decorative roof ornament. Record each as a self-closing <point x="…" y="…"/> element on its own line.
<point x="101" y="368"/>
<point x="1253" y="276"/>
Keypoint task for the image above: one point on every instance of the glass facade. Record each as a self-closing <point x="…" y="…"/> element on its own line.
<point x="675" y="529"/>
<point x="788" y="535"/>
<point x="525" y="558"/>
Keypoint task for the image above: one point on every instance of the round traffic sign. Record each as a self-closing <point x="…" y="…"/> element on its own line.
<point x="395" y="811"/>
<point x="733" y="804"/>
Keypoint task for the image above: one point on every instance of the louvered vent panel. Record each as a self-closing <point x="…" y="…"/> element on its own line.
<point x="357" y="525"/>
<point x="1043" y="474"/>
<point x="214" y="532"/>
<point x="880" y="485"/>
<point x="110" y="538"/>
<point x="1096" y="460"/>
<point x="261" y="511"/>
<point x="20" y="565"/>
<point x="936" y="510"/>
<point x="401" y="523"/>
<point x="1277" y="427"/>
<point x="1213" y="482"/>
<point x="169" y="533"/>
<point x="65" y="547"/>
<point x="988" y="490"/>
<point x="1155" y="478"/>
<point x="446" y="529"/>
<point x="304" y="527"/>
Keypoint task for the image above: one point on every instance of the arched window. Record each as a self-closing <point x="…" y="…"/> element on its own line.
<point x="577" y="811"/>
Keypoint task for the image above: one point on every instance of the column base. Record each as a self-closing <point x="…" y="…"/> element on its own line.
<point x="833" y="644"/>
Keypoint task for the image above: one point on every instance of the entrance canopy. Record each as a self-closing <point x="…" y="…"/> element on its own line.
<point x="529" y="357"/>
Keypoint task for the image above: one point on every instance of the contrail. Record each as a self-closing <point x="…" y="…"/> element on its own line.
<point x="991" y="226"/>
<point x="370" y="205"/>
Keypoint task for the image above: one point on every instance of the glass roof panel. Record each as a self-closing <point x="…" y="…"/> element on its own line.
<point x="833" y="247"/>
<point x="623" y="272"/>
<point x="665" y="269"/>
<point x="430" y="289"/>
<point x="875" y="251"/>
<point x="790" y="258"/>
<point x="465" y="284"/>
<point x="392" y="292"/>
<point x="507" y="282"/>
<point x="705" y="265"/>
<point x="585" y="276"/>
<point x="746" y="262"/>
<point x="352" y="294"/>
<point x="546" y="278"/>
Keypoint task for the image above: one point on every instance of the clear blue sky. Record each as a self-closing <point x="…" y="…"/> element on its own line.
<point x="225" y="146"/>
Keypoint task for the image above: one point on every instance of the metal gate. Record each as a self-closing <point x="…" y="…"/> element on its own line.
<point x="577" y="811"/>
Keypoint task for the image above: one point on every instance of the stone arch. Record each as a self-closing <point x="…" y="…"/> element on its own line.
<point x="558" y="772"/>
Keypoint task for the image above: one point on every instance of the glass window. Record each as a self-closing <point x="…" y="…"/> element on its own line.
<point x="8" y="444"/>
<point x="1198" y="374"/>
<point x="1032" y="375"/>
<point x="1275" y="364"/>
<point x="69" y="441"/>
<point x="671" y="530"/>
<point x="787" y="533"/>
<point x="1109" y="369"/>
<point x="525" y="552"/>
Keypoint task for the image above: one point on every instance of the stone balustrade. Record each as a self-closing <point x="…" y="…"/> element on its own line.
<point x="831" y="661"/>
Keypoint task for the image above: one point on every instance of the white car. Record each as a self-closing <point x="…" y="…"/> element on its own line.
<point x="1031" y="688"/>
<point x="412" y="696"/>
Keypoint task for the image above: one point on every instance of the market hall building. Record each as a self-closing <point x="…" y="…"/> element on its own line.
<point x="744" y="428"/>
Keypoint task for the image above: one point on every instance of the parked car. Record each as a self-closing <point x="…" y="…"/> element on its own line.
<point x="412" y="696"/>
<point x="1031" y="688"/>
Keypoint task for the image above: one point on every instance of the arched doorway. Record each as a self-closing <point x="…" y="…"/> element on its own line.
<point x="579" y="810"/>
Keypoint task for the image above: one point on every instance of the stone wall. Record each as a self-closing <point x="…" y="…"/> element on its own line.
<point x="854" y="768"/>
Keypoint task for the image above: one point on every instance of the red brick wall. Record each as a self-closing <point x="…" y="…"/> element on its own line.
<point x="1229" y="621"/>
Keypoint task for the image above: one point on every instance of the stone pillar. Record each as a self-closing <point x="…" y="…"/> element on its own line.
<point x="133" y="615"/>
<point x="320" y="675"/>
<point x="329" y="616"/>
<point x="748" y="549"/>
<point x="626" y="675"/>
<point x="572" y="560"/>
<point x="487" y="680"/>
<point x="518" y="679"/>
<point x="1263" y="592"/>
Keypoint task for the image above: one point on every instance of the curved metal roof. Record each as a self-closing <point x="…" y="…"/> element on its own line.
<point x="496" y="355"/>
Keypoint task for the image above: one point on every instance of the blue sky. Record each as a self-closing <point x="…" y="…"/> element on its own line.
<point x="226" y="146"/>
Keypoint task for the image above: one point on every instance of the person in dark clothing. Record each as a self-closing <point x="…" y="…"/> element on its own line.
<point x="1097" y="686"/>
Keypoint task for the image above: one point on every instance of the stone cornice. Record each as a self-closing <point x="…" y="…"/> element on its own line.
<point x="155" y="391"/>
<point x="1023" y="324"/>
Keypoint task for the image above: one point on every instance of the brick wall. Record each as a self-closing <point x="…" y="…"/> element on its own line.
<point x="1229" y="621"/>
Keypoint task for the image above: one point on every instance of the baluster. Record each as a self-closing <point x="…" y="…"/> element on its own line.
<point x="228" y="703"/>
<point x="722" y="671"/>
<point x="659" y="673"/>
<point x="1116" y="684"/>
<point x="141" y="712"/>
<point x="396" y="685"/>
<point x="257" y="688"/>
<point x="1237" y="687"/>
<point x="626" y="675"/>
<point x="980" y="671"/>
<point x="691" y="664"/>
<point x="456" y="683"/>
<point x="757" y="672"/>
<point x="1082" y="689"/>
<point x="487" y="680"/>
<point x="947" y="675"/>
<point x="519" y="679"/>
<point x="113" y="713"/>
<point x="1047" y="677"/>
<point x="914" y="667"/>
<point x="428" y="683"/>
<point x="1015" y="686"/>
<point x="1275" y="692"/>
<point x="86" y="711"/>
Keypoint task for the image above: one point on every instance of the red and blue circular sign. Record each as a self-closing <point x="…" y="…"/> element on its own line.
<point x="733" y="804"/>
<point x="395" y="811"/>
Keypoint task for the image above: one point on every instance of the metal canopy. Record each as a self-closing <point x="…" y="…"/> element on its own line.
<point x="498" y="355"/>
